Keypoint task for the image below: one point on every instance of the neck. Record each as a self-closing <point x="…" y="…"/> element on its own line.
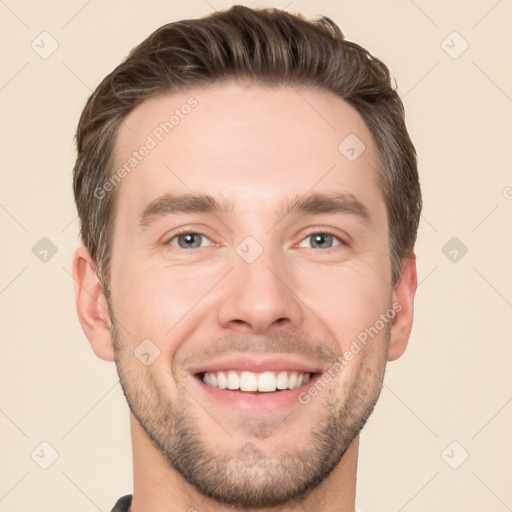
<point x="160" y="488"/>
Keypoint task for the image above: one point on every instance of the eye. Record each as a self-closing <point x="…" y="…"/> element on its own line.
<point x="322" y="240"/>
<point x="188" y="240"/>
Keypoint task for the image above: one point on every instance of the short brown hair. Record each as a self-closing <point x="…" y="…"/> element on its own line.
<point x="259" y="46"/>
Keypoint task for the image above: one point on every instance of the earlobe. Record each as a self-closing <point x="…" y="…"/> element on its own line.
<point x="91" y="305"/>
<point x="403" y="303"/>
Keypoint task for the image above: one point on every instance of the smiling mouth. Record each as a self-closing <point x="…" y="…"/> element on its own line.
<point x="260" y="382"/>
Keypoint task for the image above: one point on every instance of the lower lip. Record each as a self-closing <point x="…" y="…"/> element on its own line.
<point x="254" y="402"/>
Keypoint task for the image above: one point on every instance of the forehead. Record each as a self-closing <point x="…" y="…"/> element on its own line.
<point x="256" y="144"/>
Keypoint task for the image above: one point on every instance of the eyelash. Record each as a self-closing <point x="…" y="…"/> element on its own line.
<point x="321" y="232"/>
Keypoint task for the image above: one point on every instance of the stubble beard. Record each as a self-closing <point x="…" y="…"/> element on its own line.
<point x="246" y="475"/>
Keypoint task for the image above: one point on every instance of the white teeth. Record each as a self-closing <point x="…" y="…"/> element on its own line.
<point x="282" y="380"/>
<point x="264" y="382"/>
<point x="267" y="382"/>
<point x="248" y="381"/>
<point x="222" y="380"/>
<point x="233" y="380"/>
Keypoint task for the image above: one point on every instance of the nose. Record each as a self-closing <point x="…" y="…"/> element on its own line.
<point x="260" y="296"/>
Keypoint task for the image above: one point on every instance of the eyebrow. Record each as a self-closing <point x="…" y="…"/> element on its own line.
<point x="311" y="204"/>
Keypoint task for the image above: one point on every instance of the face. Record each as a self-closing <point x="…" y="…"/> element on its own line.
<point x="250" y="253"/>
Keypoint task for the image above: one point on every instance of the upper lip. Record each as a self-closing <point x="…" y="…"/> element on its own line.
<point x="257" y="364"/>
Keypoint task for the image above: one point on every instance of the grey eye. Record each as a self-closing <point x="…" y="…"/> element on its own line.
<point x="322" y="240"/>
<point x="188" y="240"/>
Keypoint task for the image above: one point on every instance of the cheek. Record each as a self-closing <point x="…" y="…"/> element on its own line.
<point x="158" y="302"/>
<point x="143" y="303"/>
<point x="347" y="303"/>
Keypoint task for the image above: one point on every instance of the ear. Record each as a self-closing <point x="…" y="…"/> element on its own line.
<point x="91" y="305"/>
<point x="403" y="297"/>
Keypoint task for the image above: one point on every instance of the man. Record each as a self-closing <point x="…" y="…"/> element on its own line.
<point x="249" y="202"/>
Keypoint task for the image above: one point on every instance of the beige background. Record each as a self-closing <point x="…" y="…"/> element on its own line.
<point x="452" y="384"/>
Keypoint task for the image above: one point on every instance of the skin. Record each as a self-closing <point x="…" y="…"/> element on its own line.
<point x="254" y="146"/>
